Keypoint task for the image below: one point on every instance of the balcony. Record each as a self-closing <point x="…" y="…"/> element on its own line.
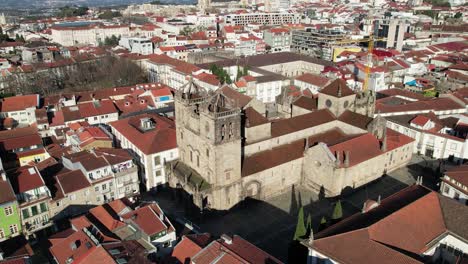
<point x="25" y="199"/>
<point x="125" y="170"/>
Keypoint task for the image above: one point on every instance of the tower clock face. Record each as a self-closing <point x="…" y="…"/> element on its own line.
<point x="328" y="103"/>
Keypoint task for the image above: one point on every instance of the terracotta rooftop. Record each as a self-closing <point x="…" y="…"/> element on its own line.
<point x="399" y="230"/>
<point x="306" y="102"/>
<point x="6" y="192"/>
<point x="19" y="138"/>
<point x="18" y="103"/>
<point x="84" y="250"/>
<point x="459" y="174"/>
<point x="148" y="219"/>
<point x="314" y="79"/>
<point x="301" y="122"/>
<point x="355" y="119"/>
<point x="161" y="138"/>
<point x="71" y="181"/>
<point x="253" y="118"/>
<point x="189" y="246"/>
<point x="25" y="179"/>
<point x="337" y="88"/>
<point x="237" y="250"/>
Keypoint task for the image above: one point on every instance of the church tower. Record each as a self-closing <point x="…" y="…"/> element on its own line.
<point x="336" y="97"/>
<point x="208" y="127"/>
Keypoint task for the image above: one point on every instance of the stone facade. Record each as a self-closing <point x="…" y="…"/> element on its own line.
<point x="228" y="154"/>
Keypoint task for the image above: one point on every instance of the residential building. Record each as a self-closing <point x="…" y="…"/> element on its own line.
<point x="434" y="137"/>
<point x="154" y="226"/>
<point x="127" y="183"/>
<point x="316" y="43"/>
<point x="21" y="146"/>
<point x="20" y="108"/>
<point x="311" y="82"/>
<point x="189" y="246"/>
<point x="393" y="29"/>
<point x="152" y="141"/>
<point x="97" y="171"/>
<point x="455" y="184"/>
<point x="142" y="46"/>
<point x="74" y="194"/>
<point x="232" y="249"/>
<point x="73" y="33"/>
<point x="414" y="225"/>
<point x="267" y="19"/>
<point x="33" y="199"/>
<point x="10" y="220"/>
<point x="279" y="39"/>
<point x="87" y="138"/>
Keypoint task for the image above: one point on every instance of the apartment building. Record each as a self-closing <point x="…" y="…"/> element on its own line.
<point x="20" y="109"/>
<point x="455" y="184"/>
<point x="279" y="39"/>
<point x="10" y="219"/>
<point x="267" y="19"/>
<point x="33" y="198"/>
<point x="74" y="33"/>
<point x="316" y="43"/>
<point x="152" y="141"/>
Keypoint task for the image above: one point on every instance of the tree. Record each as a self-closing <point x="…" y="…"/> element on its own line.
<point x="309" y="224"/>
<point x="108" y="14"/>
<point x="458" y="15"/>
<point x="337" y="212"/>
<point x="186" y="31"/>
<point x="323" y="223"/>
<point x="221" y="73"/>
<point x="112" y="41"/>
<point x="300" y="227"/>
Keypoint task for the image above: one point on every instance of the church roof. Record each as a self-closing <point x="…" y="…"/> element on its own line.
<point x="337" y="88"/>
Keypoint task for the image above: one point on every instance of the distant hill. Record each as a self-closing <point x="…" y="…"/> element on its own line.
<point x="34" y="4"/>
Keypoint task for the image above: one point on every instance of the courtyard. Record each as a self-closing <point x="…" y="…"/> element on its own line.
<point x="271" y="224"/>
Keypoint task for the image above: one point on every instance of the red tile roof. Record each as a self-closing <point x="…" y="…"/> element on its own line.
<point x="185" y="250"/>
<point x="459" y="174"/>
<point x="133" y="104"/>
<point x="314" y="79"/>
<point x="86" y="250"/>
<point x="161" y="138"/>
<point x="147" y="219"/>
<point x="6" y="192"/>
<point x="106" y="218"/>
<point x="18" y="103"/>
<point x="398" y="230"/>
<point x="26" y="178"/>
<point x="19" y="138"/>
<point x="286" y="126"/>
<point x="71" y="181"/>
<point x="337" y="88"/>
<point x="420" y="120"/>
<point x="96" y="108"/>
<point x="237" y="250"/>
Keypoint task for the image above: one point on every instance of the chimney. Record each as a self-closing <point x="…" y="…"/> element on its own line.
<point x="161" y="216"/>
<point x="338" y="158"/>
<point x="383" y="144"/>
<point x="3" y="175"/>
<point x="306" y="146"/>
<point x="227" y="239"/>
<point x="346" y="160"/>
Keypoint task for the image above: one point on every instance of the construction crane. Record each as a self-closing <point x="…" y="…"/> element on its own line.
<point x="370" y="48"/>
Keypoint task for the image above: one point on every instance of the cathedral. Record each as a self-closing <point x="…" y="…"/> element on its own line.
<point x="231" y="149"/>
